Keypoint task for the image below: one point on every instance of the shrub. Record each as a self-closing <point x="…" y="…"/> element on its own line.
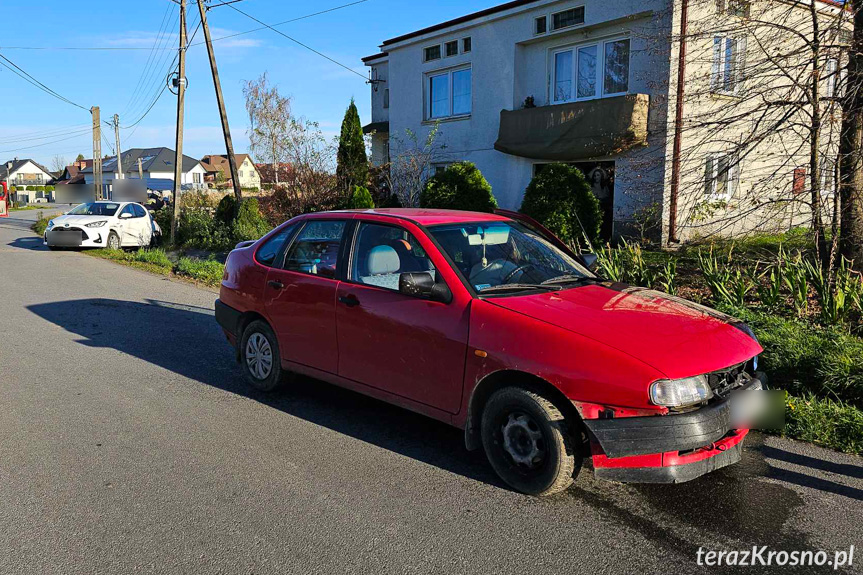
<point x="249" y="224"/>
<point x="361" y="199"/>
<point x="558" y="198"/>
<point x="49" y="188"/>
<point x="39" y="188"/>
<point x="226" y="211"/>
<point x="460" y="187"/>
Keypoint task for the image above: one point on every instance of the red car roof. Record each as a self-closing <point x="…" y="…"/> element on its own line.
<point x="429" y="217"/>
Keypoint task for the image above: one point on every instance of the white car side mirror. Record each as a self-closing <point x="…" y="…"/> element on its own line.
<point x="125" y="216"/>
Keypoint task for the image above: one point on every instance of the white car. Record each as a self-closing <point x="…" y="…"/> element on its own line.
<point x="112" y="225"/>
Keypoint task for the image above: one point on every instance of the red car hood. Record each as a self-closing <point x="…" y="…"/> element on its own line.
<point x="674" y="336"/>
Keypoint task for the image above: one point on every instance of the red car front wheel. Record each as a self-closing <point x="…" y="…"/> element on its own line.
<point x="527" y="442"/>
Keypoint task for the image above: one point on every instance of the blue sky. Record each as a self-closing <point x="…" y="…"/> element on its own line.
<point x="320" y="90"/>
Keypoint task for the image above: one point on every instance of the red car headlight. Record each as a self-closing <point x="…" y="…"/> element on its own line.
<point x="680" y="392"/>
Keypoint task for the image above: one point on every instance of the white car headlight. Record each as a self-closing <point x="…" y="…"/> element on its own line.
<point x="680" y="392"/>
<point x="97" y="224"/>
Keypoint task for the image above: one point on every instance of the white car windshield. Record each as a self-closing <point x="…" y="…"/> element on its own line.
<point x="497" y="254"/>
<point x="95" y="209"/>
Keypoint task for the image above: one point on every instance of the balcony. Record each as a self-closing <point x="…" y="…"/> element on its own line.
<point x="575" y="131"/>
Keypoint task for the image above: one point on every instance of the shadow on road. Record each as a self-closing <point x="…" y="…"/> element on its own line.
<point x="29" y="243"/>
<point x="186" y="340"/>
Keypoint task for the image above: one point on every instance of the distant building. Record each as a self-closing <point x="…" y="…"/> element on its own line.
<point x="22" y="174"/>
<point x="247" y="172"/>
<point x="156" y="165"/>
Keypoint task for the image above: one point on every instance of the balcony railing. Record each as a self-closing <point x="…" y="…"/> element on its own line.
<point x="575" y="131"/>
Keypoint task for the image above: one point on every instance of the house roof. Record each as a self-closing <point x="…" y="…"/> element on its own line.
<point x="375" y="56"/>
<point x="17" y="165"/>
<point x="460" y="20"/>
<point x="216" y="162"/>
<point x="152" y="160"/>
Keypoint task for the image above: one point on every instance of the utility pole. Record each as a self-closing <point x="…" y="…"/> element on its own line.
<point x="229" y="145"/>
<point x="97" y="151"/>
<point x="181" y="94"/>
<point x="140" y="169"/>
<point x="117" y="140"/>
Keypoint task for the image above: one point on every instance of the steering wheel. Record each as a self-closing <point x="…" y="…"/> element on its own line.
<point x="520" y="268"/>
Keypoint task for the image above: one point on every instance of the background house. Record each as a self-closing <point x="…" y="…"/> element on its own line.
<point x="593" y="83"/>
<point x="156" y="165"/>
<point x="218" y="170"/>
<point x="23" y="174"/>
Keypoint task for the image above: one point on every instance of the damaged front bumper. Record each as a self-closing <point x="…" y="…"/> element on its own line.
<point x="671" y="448"/>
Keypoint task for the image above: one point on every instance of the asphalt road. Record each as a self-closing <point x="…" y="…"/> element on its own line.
<point x="129" y="444"/>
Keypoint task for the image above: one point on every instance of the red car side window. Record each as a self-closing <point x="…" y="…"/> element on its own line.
<point x="315" y="251"/>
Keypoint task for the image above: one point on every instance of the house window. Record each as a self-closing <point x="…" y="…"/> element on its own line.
<point x="721" y="174"/>
<point x="240" y="173"/>
<point x="196" y="178"/>
<point x="728" y="63"/>
<point x="449" y="94"/>
<point x="831" y="75"/>
<point x="466" y="45"/>
<point x="567" y="18"/>
<point x="798" y="183"/>
<point x="432" y="53"/>
<point x="440" y="168"/>
<point x="386" y="98"/>
<point x="451" y="48"/>
<point x="581" y="73"/>
<point x="540" y="25"/>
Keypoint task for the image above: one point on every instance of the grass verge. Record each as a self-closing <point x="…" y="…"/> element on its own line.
<point x="829" y="423"/>
<point x="156" y="260"/>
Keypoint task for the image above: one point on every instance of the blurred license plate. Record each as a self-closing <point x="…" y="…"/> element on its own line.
<point x="64" y="238"/>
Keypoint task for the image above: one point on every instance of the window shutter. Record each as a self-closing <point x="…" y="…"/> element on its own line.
<point x="708" y="177"/>
<point x="741" y="63"/>
<point x="715" y="79"/>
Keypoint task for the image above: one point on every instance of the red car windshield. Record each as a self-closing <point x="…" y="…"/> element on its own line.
<point x="493" y="254"/>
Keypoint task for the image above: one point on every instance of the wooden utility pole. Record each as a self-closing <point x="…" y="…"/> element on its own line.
<point x="181" y="94"/>
<point x="140" y="169"/>
<point x="229" y="145"/>
<point x="117" y="142"/>
<point x="97" y="151"/>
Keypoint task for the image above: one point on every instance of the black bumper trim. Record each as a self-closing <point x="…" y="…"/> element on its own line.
<point x="626" y="436"/>
<point x="228" y="317"/>
<point x="672" y="473"/>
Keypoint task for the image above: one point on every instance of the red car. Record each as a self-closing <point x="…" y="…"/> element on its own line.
<point x="491" y="324"/>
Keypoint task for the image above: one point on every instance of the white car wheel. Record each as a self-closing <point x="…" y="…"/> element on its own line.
<point x="113" y="241"/>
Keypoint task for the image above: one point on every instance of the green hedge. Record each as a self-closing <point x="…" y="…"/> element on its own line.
<point x="460" y="187"/>
<point x="558" y="197"/>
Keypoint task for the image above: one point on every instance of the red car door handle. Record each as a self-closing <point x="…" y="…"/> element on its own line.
<point x="276" y="284"/>
<point x="349" y="300"/>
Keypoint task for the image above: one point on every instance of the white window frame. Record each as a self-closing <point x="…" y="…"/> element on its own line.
<point x="719" y="63"/>
<point x="440" y="51"/>
<point x="600" y="70"/>
<point x="537" y="19"/>
<point x="549" y="24"/>
<point x="831" y="77"/>
<point x="732" y="177"/>
<point x="428" y="94"/>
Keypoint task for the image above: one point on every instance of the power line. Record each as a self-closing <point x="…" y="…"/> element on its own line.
<point x="157" y="42"/>
<point x="307" y="47"/>
<point x="39" y="84"/>
<point x="42" y="135"/>
<point x="141" y="48"/>
<point x="78" y="135"/>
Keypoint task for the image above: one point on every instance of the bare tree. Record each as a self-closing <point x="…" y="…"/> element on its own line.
<point x="851" y="188"/>
<point x="411" y="166"/>
<point x="760" y="137"/>
<point x="270" y="121"/>
<point x="58" y="163"/>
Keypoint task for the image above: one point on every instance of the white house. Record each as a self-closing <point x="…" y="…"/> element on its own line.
<point x="23" y="174"/>
<point x="595" y="84"/>
<point x="155" y="164"/>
